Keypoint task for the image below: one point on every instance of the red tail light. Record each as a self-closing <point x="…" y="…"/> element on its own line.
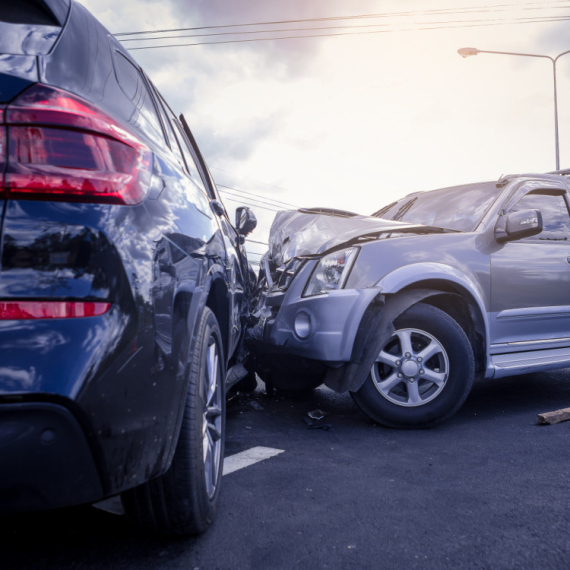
<point x="60" y="147"/>
<point x="2" y="150"/>
<point x="18" y="310"/>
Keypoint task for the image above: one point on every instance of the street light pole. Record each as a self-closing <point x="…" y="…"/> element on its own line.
<point x="466" y="52"/>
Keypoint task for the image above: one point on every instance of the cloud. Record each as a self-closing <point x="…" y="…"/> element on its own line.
<point x="235" y="144"/>
<point x="285" y="58"/>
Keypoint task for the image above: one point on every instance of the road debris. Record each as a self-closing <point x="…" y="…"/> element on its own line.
<point x="555" y="417"/>
<point x="315" y="425"/>
<point x="253" y="404"/>
<point x="317" y="414"/>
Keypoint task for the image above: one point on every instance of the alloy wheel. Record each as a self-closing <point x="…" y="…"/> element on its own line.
<point x="212" y="418"/>
<point x="411" y="369"/>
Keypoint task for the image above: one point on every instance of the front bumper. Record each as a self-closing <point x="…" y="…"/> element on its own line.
<point x="46" y="460"/>
<point x="329" y="322"/>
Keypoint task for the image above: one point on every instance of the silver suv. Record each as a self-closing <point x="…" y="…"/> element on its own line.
<point x="405" y="308"/>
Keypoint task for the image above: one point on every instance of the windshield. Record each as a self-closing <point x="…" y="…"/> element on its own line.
<point x="459" y="208"/>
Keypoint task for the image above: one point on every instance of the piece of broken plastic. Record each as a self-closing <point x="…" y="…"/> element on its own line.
<point x="317" y="414"/>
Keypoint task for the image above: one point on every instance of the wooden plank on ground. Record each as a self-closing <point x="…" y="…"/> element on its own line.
<point x="555" y="417"/>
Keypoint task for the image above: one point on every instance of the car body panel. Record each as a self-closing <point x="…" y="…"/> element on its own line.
<point x="515" y="289"/>
<point x="157" y="263"/>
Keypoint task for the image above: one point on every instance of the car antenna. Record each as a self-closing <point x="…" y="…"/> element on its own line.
<point x="502" y="182"/>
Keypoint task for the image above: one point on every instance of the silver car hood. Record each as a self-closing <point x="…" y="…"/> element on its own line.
<point x="296" y="233"/>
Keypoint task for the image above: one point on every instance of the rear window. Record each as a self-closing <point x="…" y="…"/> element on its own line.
<point x="144" y="115"/>
<point x="27" y="12"/>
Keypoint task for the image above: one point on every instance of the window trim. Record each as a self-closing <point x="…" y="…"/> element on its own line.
<point x="555" y="192"/>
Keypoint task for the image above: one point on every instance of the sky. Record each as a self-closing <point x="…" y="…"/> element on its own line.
<point x="357" y="121"/>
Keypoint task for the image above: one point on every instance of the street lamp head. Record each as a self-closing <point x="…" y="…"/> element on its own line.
<point x="466" y="52"/>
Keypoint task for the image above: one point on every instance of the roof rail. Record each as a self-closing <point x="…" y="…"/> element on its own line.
<point x="564" y="172"/>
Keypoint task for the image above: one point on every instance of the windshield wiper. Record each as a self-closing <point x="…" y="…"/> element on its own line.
<point x="404" y="209"/>
<point x="383" y="210"/>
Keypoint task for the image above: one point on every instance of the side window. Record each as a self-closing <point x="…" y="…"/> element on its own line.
<point x="178" y="136"/>
<point x="189" y="157"/>
<point x="144" y="115"/>
<point x="171" y="136"/>
<point x="555" y="217"/>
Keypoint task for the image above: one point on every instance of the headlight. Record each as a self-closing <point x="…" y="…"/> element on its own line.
<point x="287" y="272"/>
<point x="331" y="272"/>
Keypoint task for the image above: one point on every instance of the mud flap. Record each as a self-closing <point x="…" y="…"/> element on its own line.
<point x="375" y="330"/>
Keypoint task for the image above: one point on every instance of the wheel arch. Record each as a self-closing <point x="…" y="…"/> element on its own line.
<point x="450" y="281"/>
<point x="461" y="305"/>
<point x="191" y="298"/>
<point x="218" y="302"/>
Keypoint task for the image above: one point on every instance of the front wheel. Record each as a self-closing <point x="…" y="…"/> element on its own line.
<point x="183" y="501"/>
<point x="422" y="375"/>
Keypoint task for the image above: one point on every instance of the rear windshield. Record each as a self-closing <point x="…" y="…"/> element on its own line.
<point x="460" y="208"/>
<point x="26" y="12"/>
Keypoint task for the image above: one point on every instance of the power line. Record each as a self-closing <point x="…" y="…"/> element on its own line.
<point x="255" y="197"/>
<point x="466" y="10"/>
<point x="253" y="179"/>
<point x="253" y="205"/>
<point x="497" y="23"/>
<point x="257" y="202"/>
<point x="280" y="30"/>
<point x="277" y="202"/>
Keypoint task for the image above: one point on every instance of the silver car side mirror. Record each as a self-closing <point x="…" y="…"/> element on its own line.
<point x="518" y="225"/>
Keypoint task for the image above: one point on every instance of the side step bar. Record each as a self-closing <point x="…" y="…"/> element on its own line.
<point x="525" y="362"/>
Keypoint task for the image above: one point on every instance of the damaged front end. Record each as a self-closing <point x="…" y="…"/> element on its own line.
<point x="317" y="318"/>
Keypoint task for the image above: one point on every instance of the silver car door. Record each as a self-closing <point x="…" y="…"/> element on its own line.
<point x="530" y="278"/>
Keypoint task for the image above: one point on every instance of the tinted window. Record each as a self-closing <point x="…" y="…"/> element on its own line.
<point x="171" y="136"/>
<point x="180" y="137"/>
<point x="27" y="12"/>
<point x="189" y="157"/>
<point x="555" y="218"/>
<point x="144" y="115"/>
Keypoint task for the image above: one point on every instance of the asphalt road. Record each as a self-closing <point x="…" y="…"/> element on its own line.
<point x="488" y="489"/>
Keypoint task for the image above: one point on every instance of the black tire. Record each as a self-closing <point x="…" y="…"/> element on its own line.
<point x="184" y="500"/>
<point x="411" y="400"/>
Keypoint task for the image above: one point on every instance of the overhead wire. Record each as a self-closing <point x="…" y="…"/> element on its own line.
<point x="305" y="29"/>
<point x="253" y="200"/>
<point x="232" y="190"/>
<point x="257" y="202"/>
<point x="465" y="10"/>
<point x="251" y="180"/>
<point x="256" y="205"/>
<point x="546" y="18"/>
<point x="444" y="27"/>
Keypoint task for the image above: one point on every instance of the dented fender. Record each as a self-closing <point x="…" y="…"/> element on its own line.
<point x="404" y="276"/>
<point x="375" y="330"/>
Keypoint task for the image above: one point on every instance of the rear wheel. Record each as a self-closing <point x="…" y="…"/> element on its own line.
<point x="183" y="501"/>
<point x="422" y="375"/>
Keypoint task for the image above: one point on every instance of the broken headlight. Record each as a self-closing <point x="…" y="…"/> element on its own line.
<point x="286" y="273"/>
<point x="331" y="272"/>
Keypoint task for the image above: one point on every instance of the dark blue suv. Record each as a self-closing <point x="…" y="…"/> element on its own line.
<point x="123" y="285"/>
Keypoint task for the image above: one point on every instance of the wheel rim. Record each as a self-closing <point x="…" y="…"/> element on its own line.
<point x="412" y="368"/>
<point x="212" y="418"/>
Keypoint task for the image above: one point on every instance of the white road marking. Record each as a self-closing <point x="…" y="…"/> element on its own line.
<point x="248" y="457"/>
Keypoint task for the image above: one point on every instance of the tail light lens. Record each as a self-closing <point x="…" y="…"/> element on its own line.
<point x="2" y="151"/>
<point x="18" y="310"/>
<point x="60" y="147"/>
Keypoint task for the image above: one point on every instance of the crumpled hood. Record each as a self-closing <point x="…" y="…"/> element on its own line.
<point x="302" y="232"/>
